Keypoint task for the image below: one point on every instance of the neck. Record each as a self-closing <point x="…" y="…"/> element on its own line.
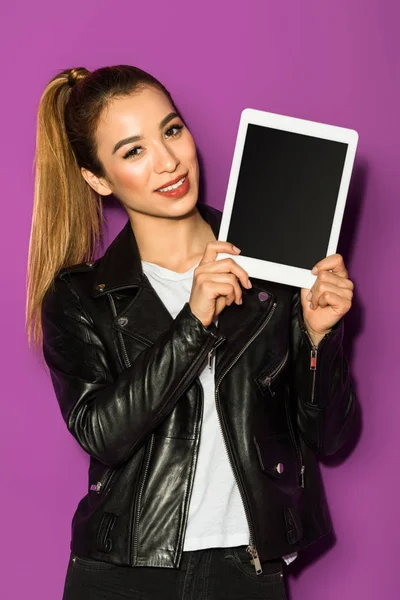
<point x="176" y="244"/>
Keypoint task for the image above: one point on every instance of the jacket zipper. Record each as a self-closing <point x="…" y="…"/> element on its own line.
<point x="121" y="339"/>
<point x="139" y="498"/>
<point x="212" y="351"/>
<point x="105" y="478"/>
<point x="313" y="360"/>
<point x="269" y="378"/>
<point x="251" y="548"/>
<point x="298" y="452"/>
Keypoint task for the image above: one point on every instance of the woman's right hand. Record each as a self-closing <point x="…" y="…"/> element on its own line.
<point x="216" y="282"/>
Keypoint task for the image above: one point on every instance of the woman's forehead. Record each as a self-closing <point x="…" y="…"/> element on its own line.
<point x="146" y="106"/>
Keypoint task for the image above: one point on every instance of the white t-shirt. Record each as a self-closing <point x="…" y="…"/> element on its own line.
<point x="216" y="515"/>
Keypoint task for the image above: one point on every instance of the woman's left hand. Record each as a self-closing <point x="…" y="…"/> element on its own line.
<point x="330" y="296"/>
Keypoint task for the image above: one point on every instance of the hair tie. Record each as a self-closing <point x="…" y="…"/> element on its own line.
<point x="74" y="76"/>
<point x="72" y="79"/>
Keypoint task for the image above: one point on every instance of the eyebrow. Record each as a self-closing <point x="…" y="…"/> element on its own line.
<point x="136" y="138"/>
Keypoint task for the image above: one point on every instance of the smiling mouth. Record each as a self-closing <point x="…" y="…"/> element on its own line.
<point x="174" y="186"/>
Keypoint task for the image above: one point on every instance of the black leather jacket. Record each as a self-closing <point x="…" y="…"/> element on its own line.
<point x="125" y="374"/>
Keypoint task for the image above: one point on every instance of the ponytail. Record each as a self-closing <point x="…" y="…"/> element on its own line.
<point x="67" y="214"/>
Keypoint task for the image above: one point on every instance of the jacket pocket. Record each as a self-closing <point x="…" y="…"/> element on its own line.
<point x="270" y="377"/>
<point x="278" y="458"/>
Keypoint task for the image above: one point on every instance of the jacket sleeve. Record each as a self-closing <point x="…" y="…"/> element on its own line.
<point x="111" y="416"/>
<point x="326" y="403"/>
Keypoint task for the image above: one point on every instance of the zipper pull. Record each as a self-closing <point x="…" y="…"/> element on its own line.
<point x="96" y="487"/>
<point x="268" y="383"/>
<point x="313" y="361"/>
<point x="302" y="475"/>
<point x="255" y="560"/>
<point x="220" y="341"/>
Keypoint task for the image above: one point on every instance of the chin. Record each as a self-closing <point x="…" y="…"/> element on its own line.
<point x="182" y="206"/>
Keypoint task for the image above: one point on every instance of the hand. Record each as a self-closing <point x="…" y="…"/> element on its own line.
<point x="216" y="282"/>
<point x="331" y="296"/>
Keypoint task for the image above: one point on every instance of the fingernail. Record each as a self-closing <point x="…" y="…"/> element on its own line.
<point x="310" y="304"/>
<point x="249" y="284"/>
<point x="314" y="270"/>
<point x="309" y="295"/>
<point x="241" y="301"/>
<point x="236" y="249"/>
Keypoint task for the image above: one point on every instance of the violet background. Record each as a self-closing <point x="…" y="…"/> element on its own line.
<point x="334" y="62"/>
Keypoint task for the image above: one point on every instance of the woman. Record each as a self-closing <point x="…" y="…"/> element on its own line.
<point x="202" y="398"/>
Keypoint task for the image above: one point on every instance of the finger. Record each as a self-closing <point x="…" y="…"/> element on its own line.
<point x="233" y="281"/>
<point x="325" y="287"/>
<point x="220" y="304"/>
<point x="333" y="262"/>
<point x="334" y="279"/>
<point x="339" y="304"/>
<point x="226" y="265"/>
<point x="214" y="247"/>
<point x="226" y="289"/>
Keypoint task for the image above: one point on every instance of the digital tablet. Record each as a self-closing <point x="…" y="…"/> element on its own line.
<point x="286" y="195"/>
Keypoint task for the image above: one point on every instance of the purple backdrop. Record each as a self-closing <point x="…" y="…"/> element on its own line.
<point x="331" y="62"/>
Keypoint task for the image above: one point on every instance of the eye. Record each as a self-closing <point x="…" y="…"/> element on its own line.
<point x="176" y="127"/>
<point x="133" y="152"/>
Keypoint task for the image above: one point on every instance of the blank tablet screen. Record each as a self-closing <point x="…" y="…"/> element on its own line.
<point x="286" y="196"/>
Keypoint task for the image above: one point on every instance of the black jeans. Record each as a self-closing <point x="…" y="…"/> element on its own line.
<point x="210" y="574"/>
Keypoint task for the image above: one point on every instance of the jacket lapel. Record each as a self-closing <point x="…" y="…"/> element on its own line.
<point x="140" y="314"/>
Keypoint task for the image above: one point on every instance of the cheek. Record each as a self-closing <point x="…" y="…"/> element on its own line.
<point x="132" y="176"/>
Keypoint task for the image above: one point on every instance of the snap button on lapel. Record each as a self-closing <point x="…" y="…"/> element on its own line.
<point x="263" y="296"/>
<point x="279" y="468"/>
<point x="122" y="321"/>
<point x="100" y="287"/>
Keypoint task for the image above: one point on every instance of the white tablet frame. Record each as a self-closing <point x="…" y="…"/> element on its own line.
<point x="272" y="271"/>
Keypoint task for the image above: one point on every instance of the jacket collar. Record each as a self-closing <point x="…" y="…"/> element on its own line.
<point x="121" y="267"/>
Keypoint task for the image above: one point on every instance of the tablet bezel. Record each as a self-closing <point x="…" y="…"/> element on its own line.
<point x="273" y="271"/>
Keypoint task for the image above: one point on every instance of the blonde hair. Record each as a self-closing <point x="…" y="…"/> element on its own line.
<point x="67" y="214"/>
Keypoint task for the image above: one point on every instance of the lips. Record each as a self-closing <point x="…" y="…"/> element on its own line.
<point x="172" y="182"/>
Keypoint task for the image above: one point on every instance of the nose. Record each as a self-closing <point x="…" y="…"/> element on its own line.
<point x="164" y="159"/>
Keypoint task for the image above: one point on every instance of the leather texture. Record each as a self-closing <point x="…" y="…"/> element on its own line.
<point x="125" y="374"/>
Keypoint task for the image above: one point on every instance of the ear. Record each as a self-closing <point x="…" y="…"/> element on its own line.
<point x="99" y="185"/>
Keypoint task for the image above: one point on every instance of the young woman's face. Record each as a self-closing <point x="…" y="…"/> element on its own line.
<point x="162" y="154"/>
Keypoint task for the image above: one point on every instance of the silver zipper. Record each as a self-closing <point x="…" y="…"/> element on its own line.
<point x="303" y="468"/>
<point x="313" y="361"/>
<point x="139" y="500"/>
<point x="106" y="477"/>
<point x="297" y="449"/>
<point x="268" y="380"/>
<point x="209" y="359"/>
<point x="121" y="339"/>
<point x="212" y="351"/>
<point x="255" y="559"/>
<point x="251" y="548"/>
